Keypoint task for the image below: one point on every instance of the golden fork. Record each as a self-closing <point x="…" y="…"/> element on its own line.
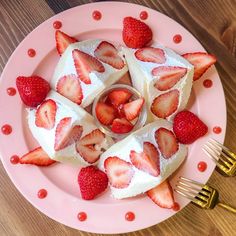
<point x="201" y="195"/>
<point x="222" y="156"/>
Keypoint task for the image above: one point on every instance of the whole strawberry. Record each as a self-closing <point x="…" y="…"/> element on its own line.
<point x="136" y="34"/>
<point x="33" y="89"/>
<point x="188" y="127"/>
<point x="92" y="182"/>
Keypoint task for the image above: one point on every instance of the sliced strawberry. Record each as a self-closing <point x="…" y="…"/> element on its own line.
<point x="63" y="41"/>
<point x="84" y="64"/>
<point x="167" y="142"/>
<point x="162" y="195"/>
<point x="121" y="126"/>
<point x="107" y="53"/>
<point x="201" y="61"/>
<point x="37" y="157"/>
<point x="66" y="134"/>
<point x="46" y="114"/>
<point x="119" y="172"/>
<point x="165" y="104"/>
<point x="119" y="96"/>
<point x="150" y="54"/>
<point x="105" y="113"/>
<point x="132" y="109"/>
<point x="168" y="76"/>
<point x="148" y="160"/>
<point x="69" y="86"/>
<point x="88" y="146"/>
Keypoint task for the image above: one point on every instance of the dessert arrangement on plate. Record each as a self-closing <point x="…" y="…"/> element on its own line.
<point x="128" y="135"/>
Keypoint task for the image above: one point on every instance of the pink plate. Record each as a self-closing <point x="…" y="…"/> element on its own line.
<point x="63" y="201"/>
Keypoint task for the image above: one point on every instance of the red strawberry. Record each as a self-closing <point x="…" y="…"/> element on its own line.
<point x="84" y="64"/>
<point x="150" y="54"/>
<point x="148" y="160"/>
<point x="132" y="109"/>
<point x="168" y="76"/>
<point x="92" y="182"/>
<point x="167" y="142"/>
<point x="46" y="114"/>
<point x="37" y="157"/>
<point x="162" y="195"/>
<point x="188" y="127"/>
<point x="66" y="134"/>
<point x="33" y="89"/>
<point x="88" y="146"/>
<point x="121" y="126"/>
<point x="63" y="41"/>
<point x="119" y="96"/>
<point x="107" y="53"/>
<point x="119" y="172"/>
<point x="201" y="61"/>
<point x="136" y="34"/>
<point x="165" y="104"/>
<point x="69" y="86"/>
<point x="105" y="113"/>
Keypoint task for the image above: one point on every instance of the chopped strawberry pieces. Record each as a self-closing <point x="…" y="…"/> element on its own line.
<point x="119" y="172"/>
<point x="133" y="109"/>
<point x="118" y="97"/>
<point x="105" y="113"/>
<point x="121" y="126"/>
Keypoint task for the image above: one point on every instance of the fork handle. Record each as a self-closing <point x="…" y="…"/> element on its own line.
<point x="227" y="207"/>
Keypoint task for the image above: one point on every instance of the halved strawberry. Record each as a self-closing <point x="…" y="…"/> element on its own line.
<point x="119" y="172"/>
<point x="167" y="142"/>
<point x="66" y="134"/>
<point x="63" y="41"/>
<point x="37" y="157"/>
<point x="107" y="53"/>
<point x="148" y="160"/>
<point x="162" y="195"/>
<point x="46" y="114"/>
<point x="121" y="126"/>
<point x="201" y="61"/>
<point x="69" y="86"/>
<point x="119" y="96"/>
<point x="84" y="64"/>
<point x="168" y="76"/>
<point x="150" y="54"/>
<point x="165" y="104"/>
<point x="132" y="109"/>
<point x="105" y="113"/>
<point x="88" y="146"/>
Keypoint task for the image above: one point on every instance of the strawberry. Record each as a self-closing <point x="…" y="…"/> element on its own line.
<point x="63" y="41"/>
<point x="84" y="64"/>
<point x="33" y="89"/>
<point x="69" y="86"/>
<point x="148" y="160"/>
<point x="132" y="109"/>
<point x="165" y="104"/>
<point x="119" y="172"/>
<point x="150" y="54"/>
<point x="167" y="142"/>
<point x="66" y="134"/>
<point x="105" y="113"/>
<point x="46" y="114"/>
<point x="136" y="34"/>
<point x="188" y="127"/>
<point x="37" y="157"/>
<point x="121" y="126"/>
<point x="201" y="61"/>
<point x="107" y="53"/>
<point x="88" y="146"/>
<point x="119" y="96"/>
<point x="168" y="76"/>
<point x="162" y="195"/>
<point x="92" y="182"/>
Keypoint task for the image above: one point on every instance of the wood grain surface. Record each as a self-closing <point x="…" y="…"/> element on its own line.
<point x="213" y="23"/>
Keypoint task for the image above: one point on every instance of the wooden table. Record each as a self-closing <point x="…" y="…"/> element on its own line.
<point x="213" y="23"/>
